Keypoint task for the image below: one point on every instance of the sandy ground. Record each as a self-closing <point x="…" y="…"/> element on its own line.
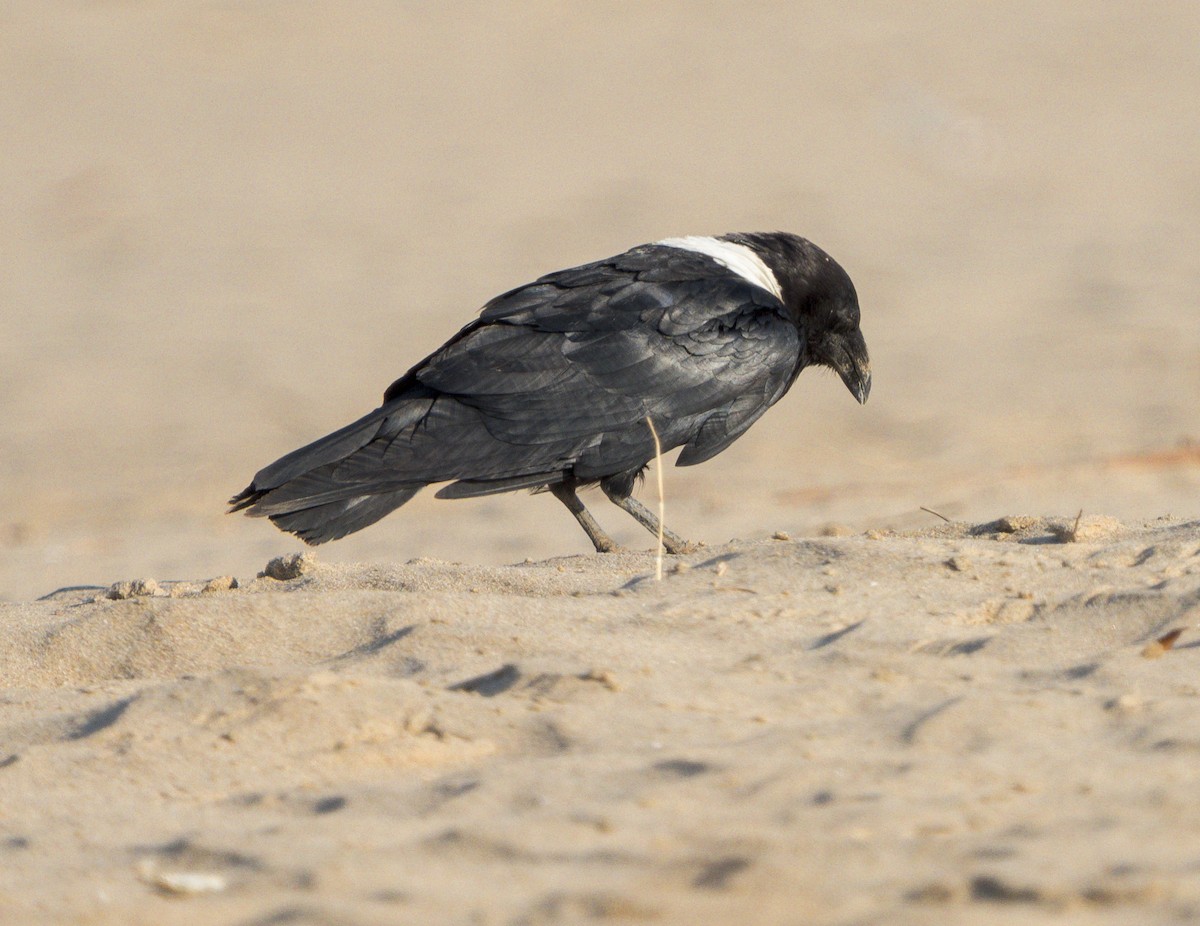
<point x="228" y="227"/>
<point x="970" y="725"/>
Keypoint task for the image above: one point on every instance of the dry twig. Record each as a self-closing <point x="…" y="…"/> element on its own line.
<point x="662" y="504"/>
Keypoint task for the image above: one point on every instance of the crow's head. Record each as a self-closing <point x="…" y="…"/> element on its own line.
<point x="829" y="321"/>
<point x="822" y="302"/>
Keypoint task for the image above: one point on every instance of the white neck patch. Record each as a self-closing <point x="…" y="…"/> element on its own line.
<point x="737" y="257"/>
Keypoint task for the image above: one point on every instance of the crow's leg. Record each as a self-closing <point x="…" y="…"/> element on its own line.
<point x="565" y="492"/>
<point x="619" y="490"/>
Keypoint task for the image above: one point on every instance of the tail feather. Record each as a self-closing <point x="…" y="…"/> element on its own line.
<point x="333" y="520"/>
<point x="319" y="487"/>
<point x="354" y="476"/>
<point x="333" y="448"/>
<point x="301" y="492"/>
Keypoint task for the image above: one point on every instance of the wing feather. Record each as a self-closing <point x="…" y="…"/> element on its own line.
<point x="581" y="357"/>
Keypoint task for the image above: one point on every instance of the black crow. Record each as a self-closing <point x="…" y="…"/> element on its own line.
<point x="556" y="384"/>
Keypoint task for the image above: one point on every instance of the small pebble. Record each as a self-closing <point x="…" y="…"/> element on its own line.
<point x="291" y="566"/>
<point x="1162" y="645"/>
<point x="182" y="883"/>
<point x="1124" y="703"/>
<point x="1012" y="524"/>
<point x="136" y="588"/>
<point x="781" y="535"/>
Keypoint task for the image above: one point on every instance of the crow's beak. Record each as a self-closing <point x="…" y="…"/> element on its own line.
<point x="850" y="360"/>
<point x="859" y="384"/>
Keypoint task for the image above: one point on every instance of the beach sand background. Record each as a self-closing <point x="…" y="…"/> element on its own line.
<point x="228" y="227"/>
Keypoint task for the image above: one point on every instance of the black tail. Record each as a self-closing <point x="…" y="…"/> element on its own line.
<point x="333" y="520"/>
<point x="331" y="488"/>
<point x="353" y="477"/>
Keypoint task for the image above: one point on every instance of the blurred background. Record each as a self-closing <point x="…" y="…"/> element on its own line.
<point x="227" y="227"/>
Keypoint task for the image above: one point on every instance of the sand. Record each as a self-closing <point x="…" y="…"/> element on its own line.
<point x="938" y="696"/>
<point x="966" y="722"/>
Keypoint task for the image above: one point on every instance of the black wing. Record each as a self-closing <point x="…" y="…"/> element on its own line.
<point x="577" y="361"/>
